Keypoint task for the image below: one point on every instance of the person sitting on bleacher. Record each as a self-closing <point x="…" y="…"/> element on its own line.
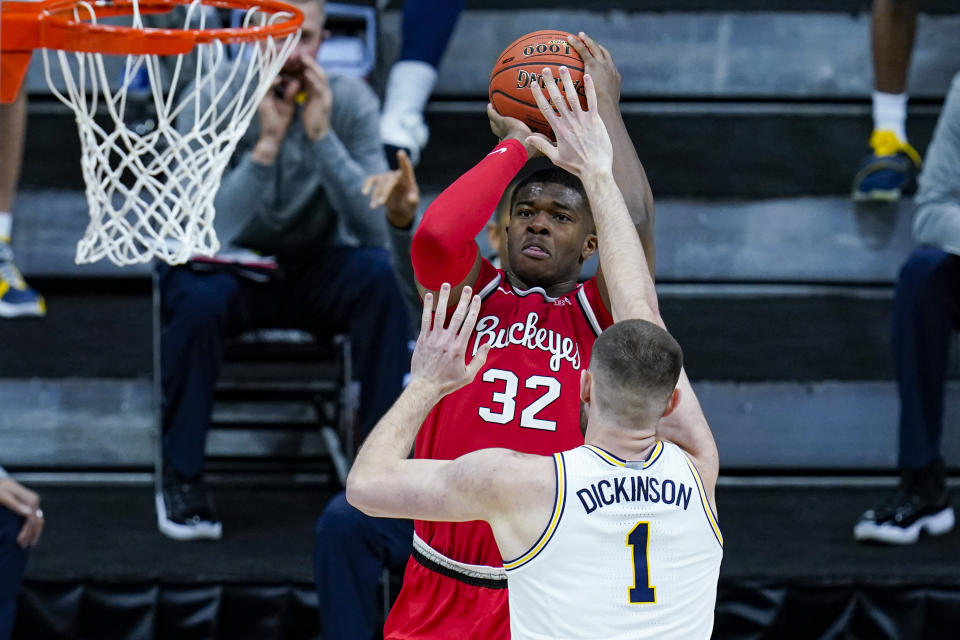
<point x="294" y="192"/>
<point x="926" y="310"/>
<point x="21" y="523"/>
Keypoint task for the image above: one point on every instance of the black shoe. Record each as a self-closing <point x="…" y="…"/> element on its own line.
<point x="185" y="508"/>
<point x="920" y="503"/>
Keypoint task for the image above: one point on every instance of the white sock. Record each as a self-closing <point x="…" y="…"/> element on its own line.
<point x="6" y="221"/>
<point x="890" y="112"/>
<point x="408" y="87"/>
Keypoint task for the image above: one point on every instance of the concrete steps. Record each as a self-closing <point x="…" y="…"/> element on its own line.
<point x="106" y="424"/>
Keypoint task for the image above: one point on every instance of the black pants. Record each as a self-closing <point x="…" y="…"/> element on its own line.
<point x="345" y="290"/>
<point x="925" y="313"/>
<point x="13" y="561"/>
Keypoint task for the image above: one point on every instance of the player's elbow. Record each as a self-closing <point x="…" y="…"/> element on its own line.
<point x="362" y="491"/>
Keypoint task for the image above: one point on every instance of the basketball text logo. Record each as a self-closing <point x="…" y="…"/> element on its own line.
<point x="526" y="334"/>
<point x="526" y="78"/>
<point x="552" y="46"/>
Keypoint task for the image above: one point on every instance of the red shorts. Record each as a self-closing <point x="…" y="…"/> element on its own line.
<point x="431" y="605"/>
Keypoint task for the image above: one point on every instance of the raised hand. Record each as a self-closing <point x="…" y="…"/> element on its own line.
<point x="438" y="359"/>
<point x="318" y="104"/>
<point x="398" y="189"/>
<point x="598" y="62"/>
<point x="507" y="128"/>
<point x="276" y="112"/>
<point x="583" y="144"/>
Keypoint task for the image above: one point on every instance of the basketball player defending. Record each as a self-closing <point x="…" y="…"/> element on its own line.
<point x="614" y="539"/>
<point x="542" y="326"/>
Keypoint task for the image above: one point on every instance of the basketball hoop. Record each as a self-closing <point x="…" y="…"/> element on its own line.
<point x="150" y="192"/>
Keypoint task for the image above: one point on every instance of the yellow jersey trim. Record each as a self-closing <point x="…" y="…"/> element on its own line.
<point x="613" y="460"/>
<point x="657" y="451"/>
<point x="560" y="500"/>
<point x="707" y="509"/>
<point x="609" y="458"/>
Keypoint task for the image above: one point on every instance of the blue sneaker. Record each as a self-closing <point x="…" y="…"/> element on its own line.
<point x="885" y="173"/>
<point x="17" y="298"/>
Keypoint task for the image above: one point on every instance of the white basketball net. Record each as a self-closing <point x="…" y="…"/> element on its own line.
<point x="150" y="192"/>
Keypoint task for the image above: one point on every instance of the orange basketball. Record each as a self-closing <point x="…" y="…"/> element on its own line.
<point x="522" y="63"/>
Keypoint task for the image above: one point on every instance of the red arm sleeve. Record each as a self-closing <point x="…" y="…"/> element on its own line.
<point x="443" y="248"/>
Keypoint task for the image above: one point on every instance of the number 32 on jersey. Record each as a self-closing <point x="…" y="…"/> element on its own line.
<point x="507" y="399"/>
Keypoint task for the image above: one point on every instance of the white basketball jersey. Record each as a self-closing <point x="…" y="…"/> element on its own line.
<point x="632" y="550"/>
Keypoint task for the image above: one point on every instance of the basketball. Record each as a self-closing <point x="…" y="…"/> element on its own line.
<point x="522" y="63"/>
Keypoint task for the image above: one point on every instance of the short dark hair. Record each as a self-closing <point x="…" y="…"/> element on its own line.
<point x="552" y="175"/>
<point x="636" y="366"/>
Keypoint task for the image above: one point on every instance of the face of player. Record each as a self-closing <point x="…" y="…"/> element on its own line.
<point x="549" y="237"/>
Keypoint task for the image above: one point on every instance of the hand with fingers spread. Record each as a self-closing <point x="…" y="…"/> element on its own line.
<point x="439" y="358"/>
<point x="507" y="128"/>
<point x="583" y="145"/>
<point x="398" y="190"/>
<point x="598" y="63"/>
<point x="26" y="503"/>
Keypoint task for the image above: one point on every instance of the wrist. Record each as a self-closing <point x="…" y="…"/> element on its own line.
<point x="401" y="220"/>
<point x="598" y="177"/>
<point x="513" y="145"/>
<point x="430" y="391"/>
<point x="265" y="151"/>
<point x="317" y="131"/>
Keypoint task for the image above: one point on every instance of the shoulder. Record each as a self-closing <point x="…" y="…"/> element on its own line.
<point x="489" y="279"/>
<point x="590" y="300"/>
<point x="351" y="91"/>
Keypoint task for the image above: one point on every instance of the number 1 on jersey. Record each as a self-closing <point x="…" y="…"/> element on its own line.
<point x="639" y="541"/>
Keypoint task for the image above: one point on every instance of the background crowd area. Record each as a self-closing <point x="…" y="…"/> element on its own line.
<point x="174" y="439"/>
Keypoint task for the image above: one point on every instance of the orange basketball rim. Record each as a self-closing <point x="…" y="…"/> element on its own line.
<point x="69" y="25"/>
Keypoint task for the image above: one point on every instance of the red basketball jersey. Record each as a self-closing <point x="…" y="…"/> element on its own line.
<point x="526" y="398"/>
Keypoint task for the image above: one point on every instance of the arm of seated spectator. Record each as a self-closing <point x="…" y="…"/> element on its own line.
<point x="399" y="193"/>
<point x="937" y="218"/>
<point x="348" y="153"/>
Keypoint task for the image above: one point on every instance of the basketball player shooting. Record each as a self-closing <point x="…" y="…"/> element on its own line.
<point x="587" y="534"/>
<point x="541" y="326"/>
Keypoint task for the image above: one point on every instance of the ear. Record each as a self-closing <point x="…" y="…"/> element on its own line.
<point x="589" y="247"/>
<point x="672" y="402"/>
<point x="586" y="386"/>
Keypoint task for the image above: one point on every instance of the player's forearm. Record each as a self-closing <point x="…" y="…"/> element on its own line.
<point x="379" y="462"/>
<point x="622" y="256"/>
<point x="631" y="177"/>
<point x="443" y="247"/>
<point x="687" y="428"/>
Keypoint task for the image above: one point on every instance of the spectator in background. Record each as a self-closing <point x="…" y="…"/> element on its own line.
<point x="926" y="311"/>
<point x="294" y="192"/>
<point x="427" y="25"/>
<point x="21" y="523"/>
<point x="17" y="298"/>
<point x="893" y="163"/>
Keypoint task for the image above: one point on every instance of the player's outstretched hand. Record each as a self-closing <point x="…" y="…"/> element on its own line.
<point x="583" y="144"/>
<point x="598" y="63"/>
<point x="507" y="128"/>
<point x="439" y="357"/>
<point x="398" y="190"/>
